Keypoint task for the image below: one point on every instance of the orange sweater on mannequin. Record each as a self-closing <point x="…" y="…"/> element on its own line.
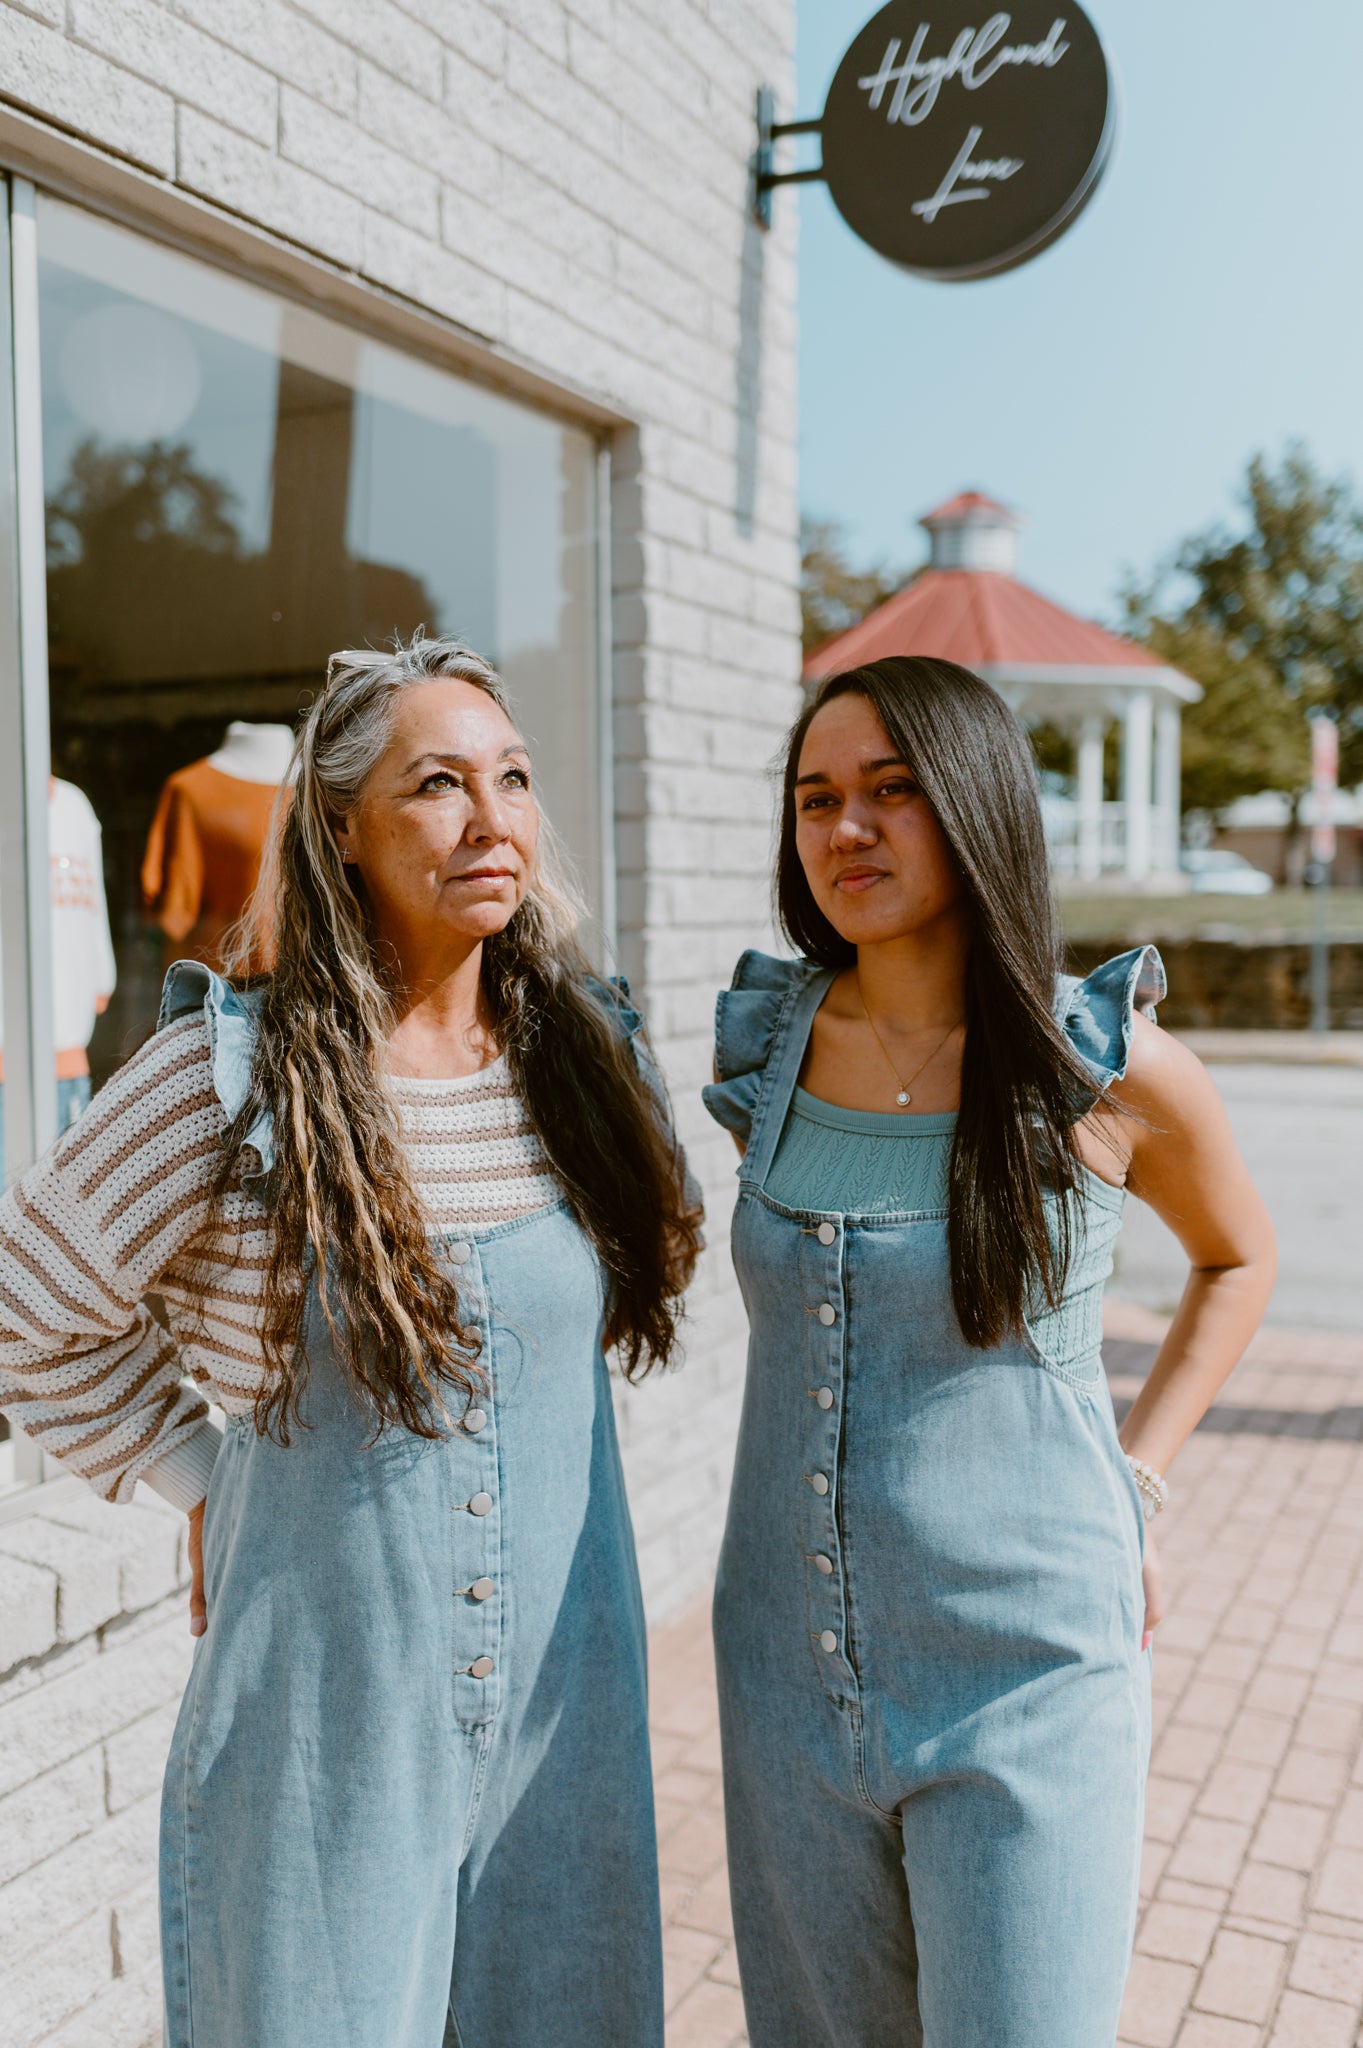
<point x="206" y="841"/>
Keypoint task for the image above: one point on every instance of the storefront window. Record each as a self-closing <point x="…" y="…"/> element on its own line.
<point x="236" y="486"/>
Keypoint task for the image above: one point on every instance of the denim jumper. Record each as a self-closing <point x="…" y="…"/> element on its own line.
<point x="408" y="1801"/>
<point x="928" y="1616"/>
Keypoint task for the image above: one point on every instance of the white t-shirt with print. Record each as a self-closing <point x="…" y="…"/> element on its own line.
<point x="82" y="951"/>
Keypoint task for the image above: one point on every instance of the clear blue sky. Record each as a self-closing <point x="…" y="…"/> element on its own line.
<point x="1208" y="303"/>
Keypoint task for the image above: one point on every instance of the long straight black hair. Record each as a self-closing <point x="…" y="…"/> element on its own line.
<point x="1023" y="1087"/>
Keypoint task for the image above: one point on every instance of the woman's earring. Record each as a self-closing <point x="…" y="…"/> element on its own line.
<point x="346" y="856"/>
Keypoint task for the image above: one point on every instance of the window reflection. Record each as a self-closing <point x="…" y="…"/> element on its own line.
<point x="236" y="486"/>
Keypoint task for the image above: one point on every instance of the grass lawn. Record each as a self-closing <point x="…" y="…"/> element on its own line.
<point x="1285" y="916"/>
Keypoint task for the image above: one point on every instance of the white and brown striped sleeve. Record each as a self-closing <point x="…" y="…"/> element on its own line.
<point x="85" y="1369"/>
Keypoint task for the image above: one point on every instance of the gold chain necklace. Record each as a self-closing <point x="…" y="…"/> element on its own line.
<point x="903" y="1098"/>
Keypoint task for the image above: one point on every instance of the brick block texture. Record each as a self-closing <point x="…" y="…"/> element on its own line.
<point x="1251" y="1928"/>
<point x="567" y="182"/>
<point x="91" y="1678"/>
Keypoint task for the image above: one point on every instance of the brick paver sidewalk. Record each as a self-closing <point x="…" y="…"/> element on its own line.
<point x="1251" y="1934"/>
<point x="704" y="2007"/>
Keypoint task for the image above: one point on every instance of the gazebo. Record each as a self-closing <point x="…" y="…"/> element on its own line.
<point x="968" y="606"/>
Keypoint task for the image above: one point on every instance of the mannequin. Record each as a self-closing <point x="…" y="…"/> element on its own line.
<point x="83" y="971"/>
<point x="206" y="841"/>
<point x="255" y="753"/>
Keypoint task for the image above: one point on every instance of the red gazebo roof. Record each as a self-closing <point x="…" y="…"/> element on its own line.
<point x="970" y="505"/>
<point x="981" y="619"/>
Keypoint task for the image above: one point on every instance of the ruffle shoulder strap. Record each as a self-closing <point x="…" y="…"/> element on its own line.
<point x="230" y="1015"/>
<point x="612" y="992"/>
<point x="1095" y="1013"/>
<point x="746" y="1016"/>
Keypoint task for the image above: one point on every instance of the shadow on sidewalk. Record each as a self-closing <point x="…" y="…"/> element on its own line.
<point x="1128" y="1358"/>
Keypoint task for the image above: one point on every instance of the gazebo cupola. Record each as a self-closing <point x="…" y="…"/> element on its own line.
<point x="973" y="532"/>
<point x="968" y="605"/>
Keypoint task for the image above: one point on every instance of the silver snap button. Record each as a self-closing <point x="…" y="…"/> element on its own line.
<point x="827" y="1234"/>
<point x="824" y="1397"/>
<point x="824" y="1564"/>
<point x="828" y="1315"/>
<point x="820" y="1482"/>
<point x="827" y="1641"/>
<point x="475" y="1420"/>
<point x="461" y="1252"/>
<point x="481" y="1504"/>
<point x="481" y="1667"/>
<point x="483" y="1589"/>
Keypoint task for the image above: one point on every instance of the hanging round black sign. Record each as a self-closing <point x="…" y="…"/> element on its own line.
<point x="959" y="144"/>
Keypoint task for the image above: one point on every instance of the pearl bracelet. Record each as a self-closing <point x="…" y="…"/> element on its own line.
<point x="1152" y="1486"/>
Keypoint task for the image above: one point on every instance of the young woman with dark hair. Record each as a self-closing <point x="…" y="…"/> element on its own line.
<point x="937" y="1583"/>
<point x="398" y="1198"/>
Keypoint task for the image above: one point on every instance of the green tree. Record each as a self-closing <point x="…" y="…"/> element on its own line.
<point x="1246" y="734"/>
<point x="1272" y="629"/>
<point x="834" y="595"/>
<point x="138" y="497"/>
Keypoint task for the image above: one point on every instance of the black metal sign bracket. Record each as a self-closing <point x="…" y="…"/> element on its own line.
<point x="770" y="131"/>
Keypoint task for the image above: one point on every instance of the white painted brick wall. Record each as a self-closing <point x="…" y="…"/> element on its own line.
<point x="565" y="180"/>
<point x="44" y="71"/>
<point x="139" y="37"/>
<point x="95" y="1653"/>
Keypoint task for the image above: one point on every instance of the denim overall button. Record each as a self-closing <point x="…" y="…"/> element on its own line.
<point x="482" y="1589"/>
<point x="823" y="1564"/>
<point x="820" y="1482"/>
<point x="827" y="1234"/>
<point x="481" y="1667"/>
<point x="824" y="1397"/>
<point x="481" y="1504"/>
<point x="827" y="1641"/>
<point x="475" y="1420"/>
<point x="828" y="1315"/>
<point x="461" y="1252"/>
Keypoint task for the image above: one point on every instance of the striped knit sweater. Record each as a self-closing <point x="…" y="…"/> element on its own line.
<point x="117" y="1211"/>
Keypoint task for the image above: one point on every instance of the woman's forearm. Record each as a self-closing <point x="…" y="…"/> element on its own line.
<point x="1218" y="1313"/>
<point x="1186" y="1165"/>
<point x="85" y="1369"/>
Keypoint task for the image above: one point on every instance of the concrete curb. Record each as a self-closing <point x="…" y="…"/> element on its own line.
<point x="1276" y="1048"/>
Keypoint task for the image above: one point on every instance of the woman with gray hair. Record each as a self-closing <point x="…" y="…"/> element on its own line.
<point x="398" y="1198"/>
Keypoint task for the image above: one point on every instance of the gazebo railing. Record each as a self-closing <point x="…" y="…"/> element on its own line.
<point x="1060" y="816"/>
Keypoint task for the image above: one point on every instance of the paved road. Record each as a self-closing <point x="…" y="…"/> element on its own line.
<point x="1301" y="1129"/>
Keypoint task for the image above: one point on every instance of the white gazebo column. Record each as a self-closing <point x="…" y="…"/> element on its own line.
<point x="1137" y="737"/>
<point x="1168" y="784"/>
<point x="1089" y="781"/>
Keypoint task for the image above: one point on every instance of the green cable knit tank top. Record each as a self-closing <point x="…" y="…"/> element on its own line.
<point x="857" y="1162"/>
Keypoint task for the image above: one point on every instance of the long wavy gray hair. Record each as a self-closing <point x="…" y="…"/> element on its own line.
<point x="344" y="1208"/>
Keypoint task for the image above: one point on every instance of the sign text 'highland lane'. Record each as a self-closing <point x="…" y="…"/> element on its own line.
<point x="975" y="57"/>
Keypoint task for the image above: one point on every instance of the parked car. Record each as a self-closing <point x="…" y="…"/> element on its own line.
<point x="1214" y="871"/>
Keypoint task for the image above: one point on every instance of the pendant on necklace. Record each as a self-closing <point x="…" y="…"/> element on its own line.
<point x="903" y="1097"/>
